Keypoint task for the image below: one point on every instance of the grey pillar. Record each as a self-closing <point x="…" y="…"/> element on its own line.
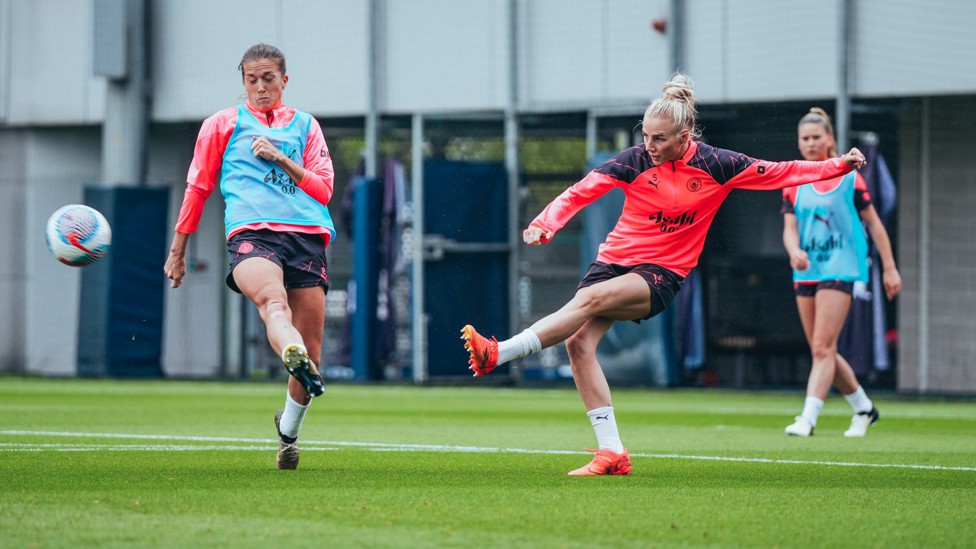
<point x="120" y="38"/>
<point x="376" y="44"/>
<point x="512" y="162"/>
<point x="676" y="35"/>
<point x="418" y="317"/>
<point x="924" y="244"/>
<point x="842" y="118"/>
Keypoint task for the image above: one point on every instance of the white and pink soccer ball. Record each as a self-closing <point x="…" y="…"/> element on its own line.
<point x="78" y="235"/>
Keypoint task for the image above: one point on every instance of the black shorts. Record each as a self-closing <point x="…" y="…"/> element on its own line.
<point x="664" y="284"/>
<point x="301" y="256"/>
<point x="810" y="289"/>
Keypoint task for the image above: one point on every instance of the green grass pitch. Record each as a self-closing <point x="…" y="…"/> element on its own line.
<point x="93" y="463"/>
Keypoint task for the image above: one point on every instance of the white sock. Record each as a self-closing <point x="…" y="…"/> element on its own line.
<point x="859" y="401"/>
<point x="811" y="409"/>
<point x="605" y="427"/>
<point x="521" y="345"/>
<point x="291" y="419"/>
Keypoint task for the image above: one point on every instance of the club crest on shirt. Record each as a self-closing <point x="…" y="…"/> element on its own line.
<point x="694" y="184"/>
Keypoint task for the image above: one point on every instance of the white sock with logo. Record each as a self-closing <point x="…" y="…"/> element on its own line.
<point x="605" y="426"/>
<point x="291" y="419"/>
<point x="811" y="409"/>
<point x="519" y="346"/>
<point x="859" y="401"/>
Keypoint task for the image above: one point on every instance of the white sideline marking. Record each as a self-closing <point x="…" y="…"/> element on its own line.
<point x="259" y="444"/>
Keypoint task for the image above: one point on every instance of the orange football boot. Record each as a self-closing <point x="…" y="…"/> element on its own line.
<point x="605" y="462"/>
<point x="484" y="352"/>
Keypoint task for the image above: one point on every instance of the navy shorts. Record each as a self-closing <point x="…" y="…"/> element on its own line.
<point x="810" y="289"/>
<point x="664" y="284"/>
<point x="301" y="256"/>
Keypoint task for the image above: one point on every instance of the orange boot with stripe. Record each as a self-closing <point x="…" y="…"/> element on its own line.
<point x="605" y="462"/>
<point x="483" y="352"/>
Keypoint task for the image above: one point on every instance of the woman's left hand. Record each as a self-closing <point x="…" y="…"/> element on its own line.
<point x="535" y="236"/>
<point x="891" y="280"/>
<point x="262" y="148"/>
<point x="854" y="158"/>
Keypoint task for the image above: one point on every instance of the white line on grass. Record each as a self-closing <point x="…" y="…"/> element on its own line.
<point x="265" y="444"/>
<point x="23" y="447"/>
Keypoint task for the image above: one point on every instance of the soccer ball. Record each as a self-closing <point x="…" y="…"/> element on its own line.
<point x="78" y="235"/>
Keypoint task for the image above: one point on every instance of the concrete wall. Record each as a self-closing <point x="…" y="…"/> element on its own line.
<point x="758" y="51"/>
<point x="193" y="340"/>
<point x="59" y="163"/>
<point x="937" y="256"/>
<point x="197" y="47"/>
<point x="47" y="51"/>
<point x="589" y="53"/>
<point x="450" y="55"/>
<point x="45" y="168"/>
<point x="913" y="47"/>
<point x="445" y="58"/>
<point x="13" y="272"/>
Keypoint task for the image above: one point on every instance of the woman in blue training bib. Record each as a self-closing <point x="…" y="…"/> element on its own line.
<point x="274" y="171"/>
<point x="823" y="232"/>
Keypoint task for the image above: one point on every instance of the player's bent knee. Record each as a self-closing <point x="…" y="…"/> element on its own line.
<point x="579" y="345"/>
<point x="574" y="349"/>
<point x="275" y="308"/>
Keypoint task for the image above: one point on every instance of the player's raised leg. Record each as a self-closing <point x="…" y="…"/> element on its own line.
<point x="624" y="298"/>
<point x="262" y="282"/>
<point x="582" y="322"/>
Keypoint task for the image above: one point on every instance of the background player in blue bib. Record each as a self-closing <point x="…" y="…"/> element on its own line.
<point x="823" y="232"/>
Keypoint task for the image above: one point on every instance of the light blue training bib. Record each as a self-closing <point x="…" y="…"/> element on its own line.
<point x="831" y="233"/>
<point x="257" y="190"/>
